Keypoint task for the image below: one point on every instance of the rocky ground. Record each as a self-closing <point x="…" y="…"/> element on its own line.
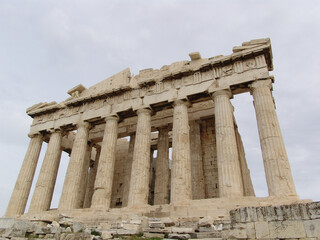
<point x="296" y="221"/>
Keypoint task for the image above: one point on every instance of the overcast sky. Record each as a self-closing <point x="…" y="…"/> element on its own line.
<point x="48" y="47"/>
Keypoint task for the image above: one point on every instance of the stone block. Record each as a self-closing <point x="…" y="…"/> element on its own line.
<point x="126" y="232"/>
<point x="295" y="210"/>
<point x="205" y="222"/>
<point x="251" y="215"/>
<point x="6" y="222"/>
<point x="182" y="230"/>
<point x="270" y="213"/>
<point x="129" y="226"/>
<point x="262" y="230"/>
<point x="314" y="210"/>
<point x="167" y="222"/>
<point x="287" y="229"/>
<point x="12" y="232"/>
<point x="55" y="224"/>
<point x="24" y="225"/>
<point x="304" y="211"/>
<point x="235" y="215"/>
<point x="206" y="229"/>
<point x="237" y="233"/>
<point x="153" y="235"/>
<point x="77" y="227"/>
<point x="179" y="236"/>
<point x="251" y="232"/>
<point x="279" y="213"/>
<point x="243" y="214"/>
<point x="135" y="221"/>
<point x="156" y="225"/>
<point x="157" y="230"/>
<point x="261" y="214"/>
<point x="106" y="235"/>
<point x="287" y="214"/>
<point x="312" y="228"/>
<point x="208" y="235"/>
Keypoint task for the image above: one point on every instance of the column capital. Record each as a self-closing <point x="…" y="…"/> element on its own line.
<point x="34" y="135"/>
<point x="226" y="92"/>
<point x="83" y="124"/>
<point x="55" y="130"/>
<point x="181" y="102"/>
<point x="260" y="83"/>
<point x="144" y="110"/>
<point x="112" y="117"/>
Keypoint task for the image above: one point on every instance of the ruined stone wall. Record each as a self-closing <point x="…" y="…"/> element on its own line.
<point x="119" y="172"/>
<point x="209" y="157"/>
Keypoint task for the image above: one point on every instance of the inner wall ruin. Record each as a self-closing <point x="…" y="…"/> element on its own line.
<point x="112" y="129"/>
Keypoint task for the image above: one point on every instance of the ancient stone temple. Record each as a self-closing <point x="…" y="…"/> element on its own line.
<point x="119" y="134"/>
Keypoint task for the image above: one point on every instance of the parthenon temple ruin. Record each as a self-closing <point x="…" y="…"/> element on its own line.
<point x="119" y="134"/>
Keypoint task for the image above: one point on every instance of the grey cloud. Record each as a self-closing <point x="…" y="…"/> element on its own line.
<point x="48" y="47"/>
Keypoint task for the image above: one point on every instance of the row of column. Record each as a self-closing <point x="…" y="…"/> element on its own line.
<point x="73" y="196"/>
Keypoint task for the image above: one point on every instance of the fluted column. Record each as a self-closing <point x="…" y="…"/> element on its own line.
<point x="181" y="166"/>
<point x="275" y="159"/>
<point x="197" y="176"/>
<point x="43" y="192"/>
<point x="103" y="186"/>
<point x="85" y="174"/>
<point x="72" y="183"/>
<point x="92" y="179"/>
<point x="139" y="183"/>
<point x="230" y="181"/>
<point x="248" y="189"/>
<point x="161" y="188"/>
<point x="128" y="168"/>
<point x="23" y="184"/>
<point x="152" y="177"/>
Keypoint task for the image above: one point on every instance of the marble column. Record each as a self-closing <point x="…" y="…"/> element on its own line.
<point x="139" y="183"/>
<point x="43" y="192"/>
<point x="72" y="182"/>
<point x="85" y="174"/>
<point x="248" y="189"/>
<point x="92" y="179"/>
<point x="181" y="165"/>
<point x="103" y="185"/>
<point x="152" y="177"/>
<point x="197" y="175"/>
<point x="21" y="191"/>
<point x="275" y="159"/>
<point x="128" y="171"/>
<point x="230" y="181"/>
<point x="161" y="188"/>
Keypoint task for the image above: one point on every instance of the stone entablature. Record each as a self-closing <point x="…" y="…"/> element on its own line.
<point x="185" y="105"/>
<point x="122" y="93"/>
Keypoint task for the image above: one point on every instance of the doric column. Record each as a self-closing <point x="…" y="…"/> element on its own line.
<point x="181" y="166"/>
<point x="92" y="179"/>
<point x="275" y="159"/>
<point x="248" y="189"/>
<point x="72" y="182"/>
<point x="197" y="176"/>
<point x="103" y="185"/>
<point x="161" y="188"/>
<point x="128" y="168"/>
<point x="230" y="181"/>
<point x="139" y="183"/>
<point x="43" y="192"/>
<point x="85" y="173"/>
<point x="152" y="177"/>
<point x="21" y="190"/>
